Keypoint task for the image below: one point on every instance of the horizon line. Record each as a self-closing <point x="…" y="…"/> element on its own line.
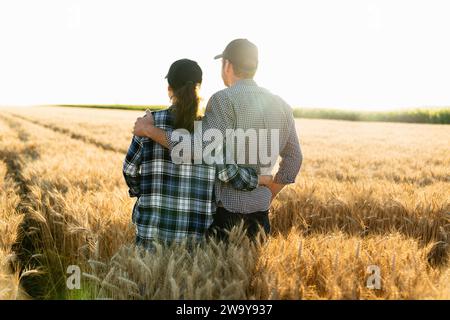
<point x="105" y="105"/>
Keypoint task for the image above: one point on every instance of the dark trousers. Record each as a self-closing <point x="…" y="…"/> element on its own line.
<point x="225" y="220"/>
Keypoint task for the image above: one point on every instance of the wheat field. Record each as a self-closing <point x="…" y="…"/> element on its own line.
<point x="368" y="194"/>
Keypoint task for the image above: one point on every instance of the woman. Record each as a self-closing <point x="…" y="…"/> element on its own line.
<point x="175" y="202"/>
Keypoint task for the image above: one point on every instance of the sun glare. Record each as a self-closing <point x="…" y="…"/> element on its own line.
<point x="349" y="54"/>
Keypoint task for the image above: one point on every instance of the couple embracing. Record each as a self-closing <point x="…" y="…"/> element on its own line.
<point x="192" y="200"/>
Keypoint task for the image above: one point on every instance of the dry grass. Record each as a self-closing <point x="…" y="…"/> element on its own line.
<point x="368" y="194"/>
<point x="10" y="220"/>
<point x="334" y="266"/>
<point x="109" y="127"/>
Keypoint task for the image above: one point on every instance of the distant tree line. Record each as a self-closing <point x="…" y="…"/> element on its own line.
<point x="431" y="115"/>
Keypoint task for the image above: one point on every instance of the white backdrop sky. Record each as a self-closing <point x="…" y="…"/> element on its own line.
<point x="355" y="54"/>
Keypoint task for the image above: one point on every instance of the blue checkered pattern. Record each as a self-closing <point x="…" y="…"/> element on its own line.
<point x="245" y="105"/>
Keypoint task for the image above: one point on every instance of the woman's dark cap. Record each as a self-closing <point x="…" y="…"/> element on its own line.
<point x="182" y="72"/>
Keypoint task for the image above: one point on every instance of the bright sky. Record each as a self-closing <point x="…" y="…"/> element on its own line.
<point x="358" y="54"/>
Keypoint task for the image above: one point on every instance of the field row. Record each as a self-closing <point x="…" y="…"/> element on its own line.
<point x="335" y="150"/>
<point x="65" y="193"/>
<point x="60" y="174"/>
<point x="345" y="183"/>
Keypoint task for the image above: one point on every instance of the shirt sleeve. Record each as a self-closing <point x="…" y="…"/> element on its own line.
<point x="291" y="156"/>
<point x="241" y="178"/>
<point x="131" y="167"/>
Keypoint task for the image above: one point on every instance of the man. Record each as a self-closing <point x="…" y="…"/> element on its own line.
<point x="243" y="105"/>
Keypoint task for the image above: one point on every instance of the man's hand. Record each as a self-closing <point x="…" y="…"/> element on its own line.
<point x="143" y="125"/>
<point x="265" y="180"/>
<point x="275" y="188"/>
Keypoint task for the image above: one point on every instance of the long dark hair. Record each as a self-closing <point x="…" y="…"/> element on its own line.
<point x="187" y="102"/>
<point x="184" y="78"/>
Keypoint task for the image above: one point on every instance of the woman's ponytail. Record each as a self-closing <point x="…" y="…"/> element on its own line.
<point x="187" y="103"/>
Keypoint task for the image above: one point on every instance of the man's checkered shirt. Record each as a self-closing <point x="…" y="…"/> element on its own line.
<point x="245" y="105"/>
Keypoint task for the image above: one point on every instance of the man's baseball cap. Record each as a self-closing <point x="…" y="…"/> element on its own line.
<point x="242" y="53"/>
<point x="183" y="71"/>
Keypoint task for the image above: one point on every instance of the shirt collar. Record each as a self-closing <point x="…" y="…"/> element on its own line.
<point x="245" y="82"/>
